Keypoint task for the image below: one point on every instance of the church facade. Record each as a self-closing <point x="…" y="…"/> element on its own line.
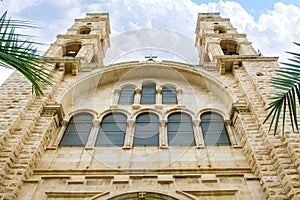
<point x="147" y="130"/>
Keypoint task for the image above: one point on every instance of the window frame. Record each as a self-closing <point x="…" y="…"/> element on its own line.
<point x="145" y="95"/>
<point x="126" y="95"/>
<point x="219" y="122"/>
<point x="168" y="93"/>
<point x="137" y="126"/>
<point x="188" y="124"/>
<point x="101" y="132"/>
<point x="67" y="131"/>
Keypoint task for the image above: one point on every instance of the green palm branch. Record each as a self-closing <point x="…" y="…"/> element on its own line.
<point x="287" y="98"/>
<point x="18" y="52"/>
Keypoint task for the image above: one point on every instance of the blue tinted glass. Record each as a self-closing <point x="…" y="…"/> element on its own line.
<point x="112" y="130"/>
<point x="77" y="131"/>
<point x="213" y="130"/>
<point x="146" y="130"/>
<point x="180" y="130"/>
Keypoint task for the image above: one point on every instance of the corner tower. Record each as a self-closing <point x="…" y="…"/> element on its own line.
<point x="219" y="42"/>
<point x="84" y="45"/>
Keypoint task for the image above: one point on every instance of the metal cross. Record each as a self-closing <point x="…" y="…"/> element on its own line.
<point x="150" y="58"/>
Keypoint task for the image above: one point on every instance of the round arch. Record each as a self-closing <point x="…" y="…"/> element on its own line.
<point x="143" y="195"/>
<point x="87" y="84"/>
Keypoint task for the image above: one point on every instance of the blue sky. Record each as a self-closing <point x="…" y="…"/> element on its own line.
<point x="271" y="25"/>
<point x="255" y="7"/>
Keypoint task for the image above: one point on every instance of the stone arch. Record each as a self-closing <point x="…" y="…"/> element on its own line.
<point x="71" y="49"/>
<point x="89" y="82"/>
<point x="147" y="81"/>
<point x="202" y="111"/>
<point x="147" y="110"/>
<point x="92" y="112"/>
<point x="182" y="110"/>
<point x="84" y="30"/>
<point x="229" y="47"/>
<point x="106" y="112"/>
<point x="142" y="195"/>
<point x="125" y="85"/>
<point x="219" y="30"/>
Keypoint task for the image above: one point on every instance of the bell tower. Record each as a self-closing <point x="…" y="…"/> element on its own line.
<point x="84" y="45"/>
<point x="219" y="42"/>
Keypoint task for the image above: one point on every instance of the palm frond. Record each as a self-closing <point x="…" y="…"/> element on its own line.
<point x="287" y="97"/>
<point x="17" y="51"/>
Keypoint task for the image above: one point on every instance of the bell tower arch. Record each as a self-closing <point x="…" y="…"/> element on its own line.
<point x="219" y="42"/>
<point x="83" y="46"/>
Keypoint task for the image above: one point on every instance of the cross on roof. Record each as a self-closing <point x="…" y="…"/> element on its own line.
<point x="150" y="58"/>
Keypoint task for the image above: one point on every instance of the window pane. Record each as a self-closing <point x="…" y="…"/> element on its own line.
<point x="169" y="95"/>
<point x="180" y="130"/>
<point x="77" y="131"/>
<point x="146" y="130"/>
<point x="112" y="130"/>
<point x="148" y="93"/>
<point x="213" y="129"/>
<point x="127" y="95"/>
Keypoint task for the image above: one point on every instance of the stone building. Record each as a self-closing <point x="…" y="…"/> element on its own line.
<point x="146" y="130"/>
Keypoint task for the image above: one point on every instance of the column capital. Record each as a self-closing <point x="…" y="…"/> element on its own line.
<point x="96" y="123"/>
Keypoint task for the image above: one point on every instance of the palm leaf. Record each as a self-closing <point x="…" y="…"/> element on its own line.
<point x="17" y="51"/>
<point x="287" y="97"/>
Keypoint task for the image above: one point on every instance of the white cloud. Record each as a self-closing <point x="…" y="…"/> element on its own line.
<point x="17" y="6"/>
<point x="273" y="32"/>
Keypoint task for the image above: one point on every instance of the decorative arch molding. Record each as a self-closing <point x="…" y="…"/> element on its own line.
<point x="108" y="111"/>
<point x="182" y="110"/>
<point x="119" y="87"/>
<point x="90" y="111"/>
<point x="178" y="87"/>
<point x="116" y="71"/>
<point x="147" y="195"/>
<point x="214" y="110"/>
<point x="147" y="110"/>
<point x="147" y="81"/>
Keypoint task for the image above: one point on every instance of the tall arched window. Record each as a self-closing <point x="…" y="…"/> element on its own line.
<point x="112" y="130"/>
<point x="127" y="95"/>
<point x="77" y="131"/>
<point x="146" y="130"/>
<point x="169" y="95"/>
<point x="180" y="130"/>
<point x="213" y="129"/>
<point x="148" y="93"/>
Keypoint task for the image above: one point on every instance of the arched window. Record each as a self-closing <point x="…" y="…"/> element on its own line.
<point x="219" y="30"/>
<point x="146" y="130"/>
<point x="84" y="30"/>
<point x="112" y="130"/>
<point x="180" y="130"/>
<point x="148" y="93"/>
<point x="213" y="129"/>
<point x="127" y="95"/>
<point x="169" y="95"/>
<point x="77" y="131"/>
<point x="71" y="49"/>
<point x="229" y="47"/>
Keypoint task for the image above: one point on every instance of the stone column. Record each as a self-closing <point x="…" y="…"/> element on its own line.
<point x="128" y="141"/>
<point x="158" y="103"/>
<point x="116" y="97"/>
<point x="179" y="96"/>
<point x="64" y="124"/>
<point x="198" y="134"/>
<point x="230" y="133"/>
<point x="163" y="139"/>
<point x="93" y="134"/>
<point x="137" y="98"/>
